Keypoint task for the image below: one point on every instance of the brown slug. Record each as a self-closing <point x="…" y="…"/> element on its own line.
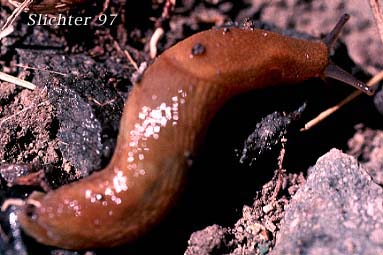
<point x="164" y="121"/>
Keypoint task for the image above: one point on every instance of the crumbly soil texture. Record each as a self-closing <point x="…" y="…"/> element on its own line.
<point x="240" y="196"/>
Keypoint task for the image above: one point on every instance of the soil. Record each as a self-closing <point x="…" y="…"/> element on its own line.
<point x="238" y="188"/>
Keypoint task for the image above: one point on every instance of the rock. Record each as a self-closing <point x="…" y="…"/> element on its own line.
<point x="207" y="241"/>
<point x="339" y="210"/>
<point x="367" y="146"/>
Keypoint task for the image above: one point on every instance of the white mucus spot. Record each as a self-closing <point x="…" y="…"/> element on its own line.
<point x="120" y="182"/>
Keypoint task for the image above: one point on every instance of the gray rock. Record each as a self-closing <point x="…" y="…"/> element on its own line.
<point x="339" y="210"/>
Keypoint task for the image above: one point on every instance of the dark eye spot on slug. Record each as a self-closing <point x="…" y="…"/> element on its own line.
<point x="198" y="49"/>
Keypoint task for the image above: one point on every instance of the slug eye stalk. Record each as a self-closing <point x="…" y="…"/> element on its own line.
<point x="334" y="34"/>
<point x="334" y="71"/>
<point x="337" y="73"/>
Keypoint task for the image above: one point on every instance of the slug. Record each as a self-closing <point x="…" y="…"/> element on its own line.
<point x="163" y="123"/>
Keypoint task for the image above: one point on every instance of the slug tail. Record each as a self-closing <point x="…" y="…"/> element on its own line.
<point x="335" y="72"/>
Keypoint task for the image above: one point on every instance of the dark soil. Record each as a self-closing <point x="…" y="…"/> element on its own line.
<point x="67" y="127"/>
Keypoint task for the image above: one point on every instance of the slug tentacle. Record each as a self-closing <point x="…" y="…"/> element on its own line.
<point x="335" y="72"/>
<point x="333" y="36"/>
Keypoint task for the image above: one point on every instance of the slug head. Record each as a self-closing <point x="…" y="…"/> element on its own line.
<point x="334" y="71"/>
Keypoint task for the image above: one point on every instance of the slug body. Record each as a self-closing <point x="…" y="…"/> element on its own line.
<point x="164" y="120"/>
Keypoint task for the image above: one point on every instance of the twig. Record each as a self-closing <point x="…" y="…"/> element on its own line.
<point x="105" y="6"/>
<point x="373" y="81"/>
<point x="16" y="12"/>
<point x="10" y="202"/>
<point x="131" y="60"/>
<point x="159" y="31"/>
<point x="102" y="104"/>
<point x="378" y="16"/>
<point x="40" y="69"/>
<point x="7" y="31"/>
<point x="17" y="81"/>
<point x="126" y="54"/>
<point x="33" y="179"/>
